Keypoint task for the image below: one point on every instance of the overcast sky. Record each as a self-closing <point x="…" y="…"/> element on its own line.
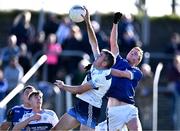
<point x="154" y="7"/>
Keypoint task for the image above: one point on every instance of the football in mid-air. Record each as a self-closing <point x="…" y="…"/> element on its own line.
<point x="75" y="13"/>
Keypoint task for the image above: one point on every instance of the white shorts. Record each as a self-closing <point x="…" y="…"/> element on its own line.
<point x="118" y="117"/>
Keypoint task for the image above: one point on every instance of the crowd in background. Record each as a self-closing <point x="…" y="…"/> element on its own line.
<point x="25" y="43"/>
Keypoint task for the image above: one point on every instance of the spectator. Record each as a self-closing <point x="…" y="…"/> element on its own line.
<point x="38" y="119"/>
<point x="127" y="34"/>
<point x="173" y="77"/>
<point x="23" y="28"/>
<point x="51" y="24"/>
<point x="173" y="46"/>
<point x="73" y="43"/>
<point x="13" y="74"/>
<point x="61" y="73"/>
<point x="63" y="30"/>
<point x="144" y="94"/>
<point x="53" y="50"/>
<point x="74" y="39"/>
<point x="15" y="114"/>
<point x="3" y="91"/>
<point x="11" y="50"/>
<point x="24" y="58"/>
<point x="38" y="44"/>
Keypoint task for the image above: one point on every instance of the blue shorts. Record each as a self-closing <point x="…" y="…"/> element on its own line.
<point x="85" y="113"/>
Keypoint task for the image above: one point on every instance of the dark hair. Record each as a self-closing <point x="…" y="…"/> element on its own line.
<point x="28" y="87"/>
<point x="14" y="57"/>
<point x="109" y="58"/>
<point x="35" y="93"/>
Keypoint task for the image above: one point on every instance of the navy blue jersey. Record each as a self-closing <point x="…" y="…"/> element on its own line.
<point x="16" y="113"/>
<point x="123" y="89"/>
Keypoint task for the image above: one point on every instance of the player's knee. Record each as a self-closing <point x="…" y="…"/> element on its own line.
<point x="134" y="125"/>
<point x="134" y="128"/>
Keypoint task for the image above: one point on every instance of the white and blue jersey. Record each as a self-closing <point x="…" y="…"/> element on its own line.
<point x="48" y="120"/>
<point x="16" y="113"/>
<point x="100" y="81"/>
<point x="88" y="105"/>
<point x="123" y="89"/>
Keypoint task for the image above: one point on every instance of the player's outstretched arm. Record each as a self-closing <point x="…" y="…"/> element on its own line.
<point x="91" y="34"/>
<point x="121" y="73"/>
<point x="134" y="73"/>
<point x="79" y="89"/>
<point x="114" y="34"/>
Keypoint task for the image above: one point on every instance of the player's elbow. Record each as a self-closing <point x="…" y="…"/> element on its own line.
<point x="82" y="89"/>
<point x="79" y="92"/>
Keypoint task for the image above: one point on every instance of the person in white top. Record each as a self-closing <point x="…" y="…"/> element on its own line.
<point x="38" y="119"/>
<point x="96" y="83"/>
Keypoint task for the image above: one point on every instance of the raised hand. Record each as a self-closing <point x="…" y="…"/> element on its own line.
<point x="59" y="84"/>
<point x="87" y="16"/>
<point x="117" y="17"/>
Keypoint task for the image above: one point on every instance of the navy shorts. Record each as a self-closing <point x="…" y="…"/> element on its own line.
<point x="85" y="113"/>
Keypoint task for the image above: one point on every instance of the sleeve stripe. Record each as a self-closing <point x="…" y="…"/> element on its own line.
<point x="108" y="77"/>
<point x="132" y="76"/>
